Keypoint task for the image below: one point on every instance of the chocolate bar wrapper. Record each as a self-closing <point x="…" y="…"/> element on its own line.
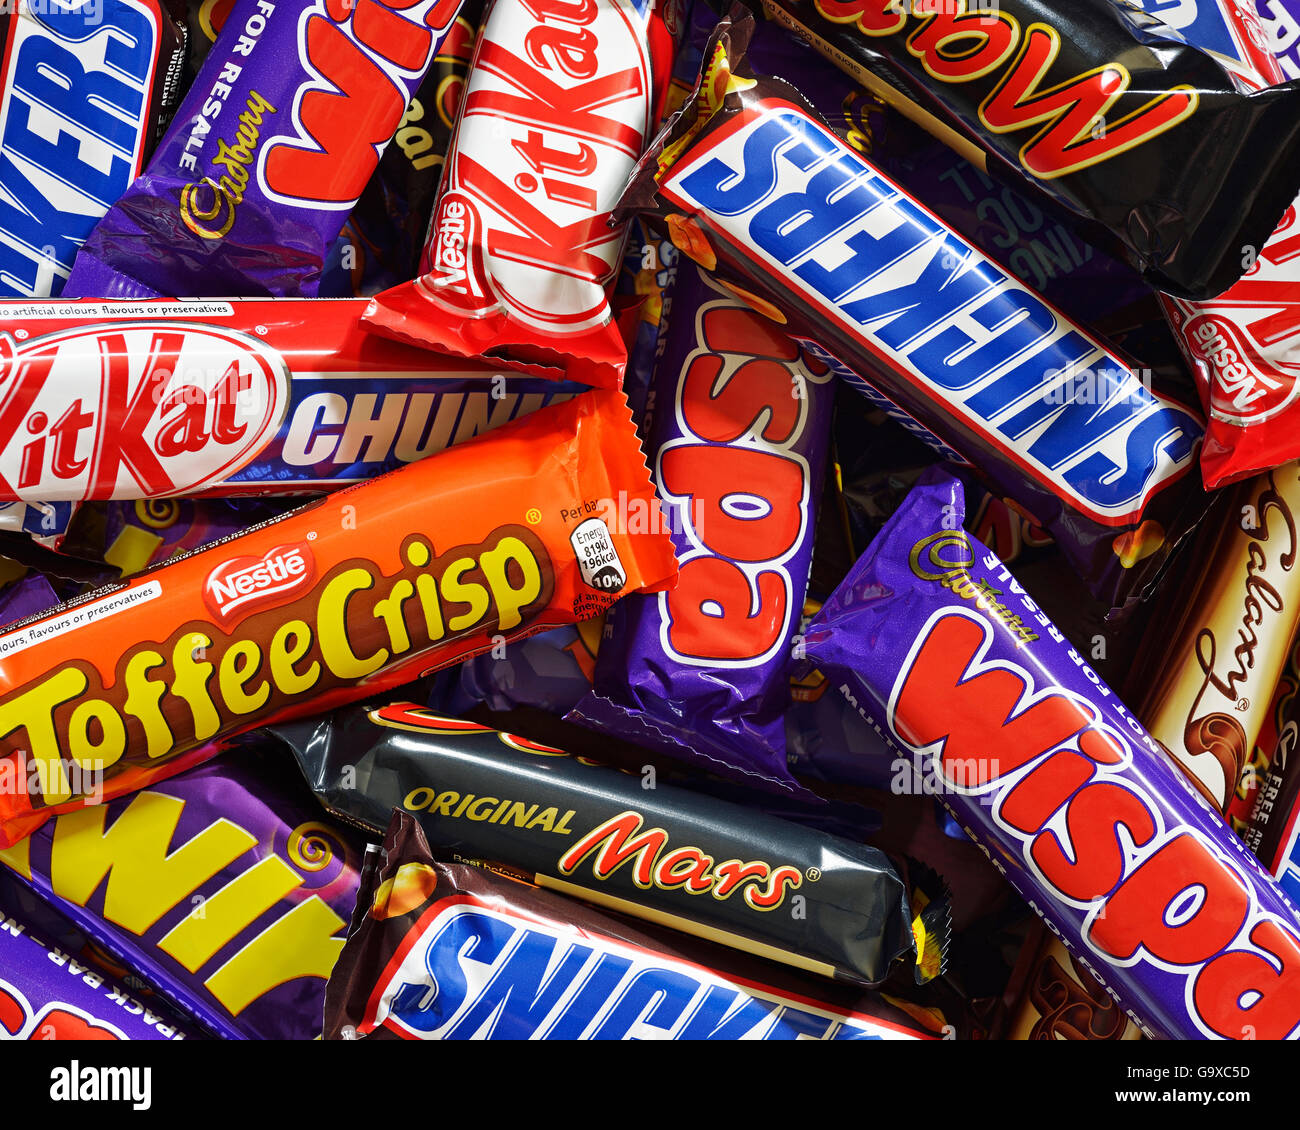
<point x="1225" y="635"/>
<point x="520" y="256"/>
<point x="85" y="93"/>
<point x="225" y="887"/>
<point x="138" y="400"/>
<point x="1241" y="806"/>
<point x="667" y="854"/>
<point x="1061" y="1000"/>
<point x="269" y="152"/>
<point x="46" y="994"/>
<point x="1073" y="801"/>
<point x="1281" y="21"/>
<point x="1099" y="105"/>
<point x="917" y="318"/>
<point x="380" y="245"/>
<point x="432" y="955"/>
<point x="336" y="600"/>
<point x="1272" y="831"/>
<point x="740" y="433"/>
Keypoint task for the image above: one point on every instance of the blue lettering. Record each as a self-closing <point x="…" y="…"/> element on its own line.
<point x="655" y="997"/>
<point x="1169" y="431"/>
<point x="63" y="160"/>
<point x="723" y="190"/>
<point x="426" y="1006"/>
<point x="1039" y="374"/>
<point x="793" y="224"/>
<point x="794" y="1022"/>
<point x="871" y="254"/>
<point x="590" y="998"/>
<point x="712" y="1021"/>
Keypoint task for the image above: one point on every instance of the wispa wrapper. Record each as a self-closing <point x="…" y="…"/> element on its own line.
<point x="750" y="181"/>
<point x="520" y="257"/>
<point x="740" y="432"/>
<point x="1104" y="108"/>
<point x="506" y="535"/>
<point x="668" y="854"/>
<point x="443" y="951"/>
<point x="225" y="887"/>
<point x="268" y="153"/>
<point x="85" y="93"/>
<point x="130" y="400"/>
<point x="46" y="994"/>
<point x="1075" y="803"/>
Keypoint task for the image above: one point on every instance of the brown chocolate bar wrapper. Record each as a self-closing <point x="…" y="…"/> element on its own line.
<point x="1061" y="1000"/>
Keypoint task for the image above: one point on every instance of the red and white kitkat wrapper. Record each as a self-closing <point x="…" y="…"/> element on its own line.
<point x="520" y="256"/>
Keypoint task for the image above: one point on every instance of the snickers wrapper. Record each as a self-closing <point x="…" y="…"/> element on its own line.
<point x="443" y="951"/>
<point x="812" y="233"/>
<point x="506" y="535"/>
<point x="706" y="867"/>
<point x="1041" y="764"/>
<point x="1099" y="105"/>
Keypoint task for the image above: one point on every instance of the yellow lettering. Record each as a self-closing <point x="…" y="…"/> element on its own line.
<point x="544" y="819"/>
<point x="191" y="683"/>
<point x="243" y="659"/>
<point x="476" y="810"/>
<point x="112" y="734"/>
<point x="461" y="592"/>
<point x="142" y="698"/>
<point x="283" y="656"/>
<point x="442" y="806"/>
<point x="496" y="569"/>
<point x="332" y="624"/>
<point x="390" y="611"/>
<point x="33" y="710"/>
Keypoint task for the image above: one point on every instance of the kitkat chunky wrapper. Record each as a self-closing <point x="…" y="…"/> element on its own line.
<point x="225" y="887"/>
<point x="132" y="400"/>
<point x="520" y="257"/>
<point x="443" y="951"/>
<point x="1075" y="803"/>
<point x="750" y="181"/>
<point x="268" y="153"/>
<point x="739" y="435"/>
<point x="1101" y="106"/>
<point x="503" y="536"/>
<point x="684" y="859"/>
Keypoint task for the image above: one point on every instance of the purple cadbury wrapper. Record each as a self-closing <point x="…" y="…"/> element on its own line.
<point x="45" y="994"/>
<point x="740" y="431"/>
<point x="222" y="886"/>
<point x="1071" y="799"/>
<point x="268" y="153"/>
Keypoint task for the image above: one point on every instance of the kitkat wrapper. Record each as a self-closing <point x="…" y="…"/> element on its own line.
<point x="501" y="537"/>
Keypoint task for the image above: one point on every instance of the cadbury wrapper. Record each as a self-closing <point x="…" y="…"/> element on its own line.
<point x="46" y="994"/>
<point x="1272" y="830"/>
<point x="1281" y="20"/>
<point x="494" y="539"/>
<point x="129" y="400"/>
<point x="443" y="951"/>
<point x="1102" y="107"/>
<point x="1056" y="779"/>
<point x="268" y="153"/>
<point x="1272" y="740"/>
<point x="85" y="92"/>
<point x="748" y="179"/>
<point x="716" y="870"/>
<point x="1061" y="1000"/>
<point x="225" y="887"/>
<point x="1225" y="635"/>
<point x="520" y="255"/>
<point x="740" y="431"/>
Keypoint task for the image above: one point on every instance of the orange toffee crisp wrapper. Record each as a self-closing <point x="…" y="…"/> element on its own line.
<point x="546" y="521"/>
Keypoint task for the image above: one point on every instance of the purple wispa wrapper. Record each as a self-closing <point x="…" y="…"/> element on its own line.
<point x="225" y="887"/>
<point x="739" y="432"/>
<point x="1073" y="801"/>
<point x="1281" y="19"/>
<point x="268" y="153"/>
<point x="46" y="994"/>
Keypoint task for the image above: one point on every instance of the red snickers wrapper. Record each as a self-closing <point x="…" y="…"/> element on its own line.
<point x="520" y="257"/>
<point x="442" y="951"/>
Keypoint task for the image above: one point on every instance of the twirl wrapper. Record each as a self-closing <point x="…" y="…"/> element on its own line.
<point x="1074" y="802"/>
<point x="500" y="537"/>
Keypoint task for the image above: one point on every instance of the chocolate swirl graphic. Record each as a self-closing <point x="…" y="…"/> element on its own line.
<point x="1224" y="739"/>
<point x="1073" y="1005"/>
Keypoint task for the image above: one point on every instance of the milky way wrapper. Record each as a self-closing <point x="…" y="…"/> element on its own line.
<point x="1077" y="805"/>
<point x="1225" y="635"/>
<point x="131" y="400"/>
<point x="503" y="536"/>
<point x="520" y="256"/>
<point x="225" y="887"/>
<point x="751" y="182"/>
<point x="740" y="433"/>
<point x="442" y="951"/>
<point x="683" y="859"/>
<point x="1104" y="108"/>
<point x="268" y="152"/>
